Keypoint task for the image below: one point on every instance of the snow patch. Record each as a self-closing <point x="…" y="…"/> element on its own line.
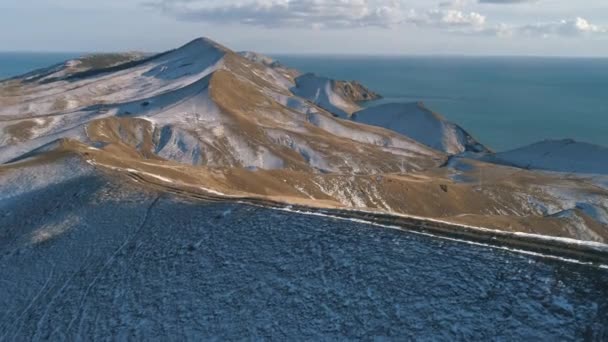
<point x="420" y="124"/>
<point x="320" y="91"/>
<point x="557" y="155"/>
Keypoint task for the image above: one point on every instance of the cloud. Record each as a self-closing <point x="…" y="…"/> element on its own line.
<point x="290" y="13"/>
<point x="504" y="2"/>
<point x="455" y="3"/>
<point x="564" y="28"/>
<point x="316" y="13"/>
<point x="450" y="19"/>
<point x="447" y="16"/>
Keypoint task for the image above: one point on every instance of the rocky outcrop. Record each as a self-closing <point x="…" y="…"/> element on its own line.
<point x="355" y="91"/>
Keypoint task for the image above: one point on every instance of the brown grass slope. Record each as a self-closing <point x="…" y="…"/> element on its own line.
<point x="252" y="145"/>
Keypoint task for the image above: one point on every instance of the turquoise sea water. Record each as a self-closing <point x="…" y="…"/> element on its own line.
<point x="504" y="102"/>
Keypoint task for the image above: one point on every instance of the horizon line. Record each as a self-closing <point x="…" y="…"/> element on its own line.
<point x="332" y="54"/>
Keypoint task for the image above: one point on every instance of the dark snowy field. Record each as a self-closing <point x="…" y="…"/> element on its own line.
<point x="91" y="258"/>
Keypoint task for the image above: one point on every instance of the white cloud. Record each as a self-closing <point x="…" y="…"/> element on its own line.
<point x="571" y="27"/>
<point x="450" y="15"/>
<point x="290" y="13"/>
<point x="506" y="2"/>
<point x="317" y="13"/>
<point x="450" y="19"/>
<point x="563" y="28"/>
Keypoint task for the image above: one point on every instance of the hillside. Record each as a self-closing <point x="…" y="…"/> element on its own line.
<point x="203" y="120"/>
<point x="558" y="155"/>
<point x="417" y="122"/>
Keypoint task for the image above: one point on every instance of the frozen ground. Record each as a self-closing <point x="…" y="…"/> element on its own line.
<point x="415" y="121"/>
<point x="558" y="155"/>
<point x="320" y="91"/>
<point x="90" y="259"/>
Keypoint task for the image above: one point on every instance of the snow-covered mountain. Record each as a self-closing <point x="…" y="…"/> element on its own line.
<point x="338" y="97"/>
<point x="567" y="156"/>
<point x="415" y="121"/>
<point x="202" y="120"/>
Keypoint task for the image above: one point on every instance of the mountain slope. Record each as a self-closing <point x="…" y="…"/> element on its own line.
<point x="202" y="120"/>
<point x="338" y="97"/>
<point x="557" y="155"/>
<point x="88" y="254"/>
<point x="416" y="121"/>
<point x="284" y="70"/>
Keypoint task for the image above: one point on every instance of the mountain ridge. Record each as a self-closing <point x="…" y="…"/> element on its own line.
<point x="204" y="118"/>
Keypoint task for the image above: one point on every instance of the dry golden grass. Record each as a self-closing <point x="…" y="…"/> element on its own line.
<point x="366" y="175"/>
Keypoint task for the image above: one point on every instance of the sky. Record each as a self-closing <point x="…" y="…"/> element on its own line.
<point x="362" y="27"/>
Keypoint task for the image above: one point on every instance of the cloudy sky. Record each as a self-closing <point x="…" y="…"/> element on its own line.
<point x="372" y="27"/>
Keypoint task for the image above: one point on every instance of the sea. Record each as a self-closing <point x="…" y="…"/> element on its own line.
<point x="505" y="102"/>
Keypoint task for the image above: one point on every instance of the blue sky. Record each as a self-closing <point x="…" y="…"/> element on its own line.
<point x="469" y="27"/>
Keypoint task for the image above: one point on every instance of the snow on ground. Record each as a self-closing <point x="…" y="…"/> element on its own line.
<point x="250" y="156"/>
<point x="92" y="260"/>
<point x="258" y="58"/>
<point x="558" y="155"/>
<point x="195" y="58"/>
<point x="335" y="127"/>
<point x="11" y="152"/>
<point x="577" y="227"/>
<point x="14" y="182"/>
<point x="461" y="170"/>
<point x="179" y="145"/>
<point x="594" y="205"/>
<point x="279" y="72"/>
<point x="320" y="91"/>
<point x="166" y="72"/>
<point x="420" y="124"/>
<point x="293" y="102"/>
<point x="273" y="77"/>
<point x="306" y="111"/>
<point x="157" y="86"/>
<point x="597" y="213"/>
<point x="314" y="158"/>
<point x="191" y="102"/>
<point x="345" y="193"/>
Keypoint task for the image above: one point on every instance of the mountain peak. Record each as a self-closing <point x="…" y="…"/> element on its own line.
<point x="203" y="120"/>
<point x="259" y="58"/>
<point x="204" y="43"/>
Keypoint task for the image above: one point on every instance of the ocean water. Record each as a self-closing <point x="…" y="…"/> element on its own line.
<point x="504" y="102"/>
<point x="17" y="63"/>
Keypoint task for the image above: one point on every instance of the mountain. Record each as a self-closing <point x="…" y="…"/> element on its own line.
<point x="415" y="121"/>
<point x="566" y="155"/>
<point x="286" y="71"/>
<point x="338" y="97"/>
<point x="204" y="122"/>
<point x="91" y="254"/>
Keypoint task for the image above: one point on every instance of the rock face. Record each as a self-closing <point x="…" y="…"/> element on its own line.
<point x="338" y="97"/>
<point x="355" y="91"/>
<point x="202" y="119"/>
<point x="322" y="92"/>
